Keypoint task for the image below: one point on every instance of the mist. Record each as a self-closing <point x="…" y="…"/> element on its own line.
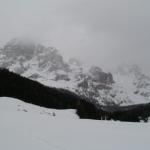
<point x="99" y="32"/>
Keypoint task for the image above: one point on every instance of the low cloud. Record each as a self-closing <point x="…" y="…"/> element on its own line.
<point x="106" y="33"/>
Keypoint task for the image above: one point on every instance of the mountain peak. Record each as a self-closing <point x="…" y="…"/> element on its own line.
<point x="19" y="47"/>
<point x="46" y="65"/>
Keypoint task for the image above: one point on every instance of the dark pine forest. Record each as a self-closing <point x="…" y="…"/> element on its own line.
<point x="16" y="86"/>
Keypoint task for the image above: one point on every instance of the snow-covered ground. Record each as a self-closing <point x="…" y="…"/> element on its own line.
<point x="28" y="127"/>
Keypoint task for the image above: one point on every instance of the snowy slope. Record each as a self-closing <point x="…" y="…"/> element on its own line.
<point x="133" y="84"/>
<point x="12" y="105"/>
<point x="25" y="126"/>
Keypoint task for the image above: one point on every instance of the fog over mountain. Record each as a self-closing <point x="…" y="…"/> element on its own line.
<point x="107" y="32"/>
<point x="74" y="74"/>
<point x="127" y="85"/>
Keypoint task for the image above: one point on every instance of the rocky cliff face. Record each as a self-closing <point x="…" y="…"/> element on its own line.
<point x="46" y="65"/>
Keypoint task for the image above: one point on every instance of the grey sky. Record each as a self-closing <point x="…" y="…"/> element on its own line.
<point x="102" y="32"/>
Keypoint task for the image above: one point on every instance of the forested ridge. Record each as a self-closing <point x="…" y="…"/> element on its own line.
<point x="16" y="86"/>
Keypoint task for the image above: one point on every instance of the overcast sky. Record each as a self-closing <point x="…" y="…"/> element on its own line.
<point x="102" y="32"/>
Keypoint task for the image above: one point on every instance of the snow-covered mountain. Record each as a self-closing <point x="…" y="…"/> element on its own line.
<point x="128" y="85"/>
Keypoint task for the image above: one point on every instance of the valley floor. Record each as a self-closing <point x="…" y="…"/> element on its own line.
<point x="28" y="127"/>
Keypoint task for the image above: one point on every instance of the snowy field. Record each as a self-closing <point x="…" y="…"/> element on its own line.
<point x="28" y="127"/>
